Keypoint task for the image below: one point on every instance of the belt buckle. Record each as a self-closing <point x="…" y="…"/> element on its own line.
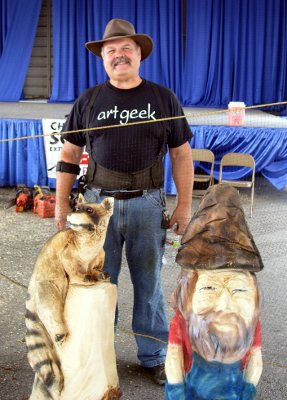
<point x="127" y="195"/>
<point x="124" y="195"/>
<point x="119" y="196"/>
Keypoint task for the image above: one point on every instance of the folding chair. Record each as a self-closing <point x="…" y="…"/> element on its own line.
<point x="203" y="155"/>
<point x="243" y="160"/>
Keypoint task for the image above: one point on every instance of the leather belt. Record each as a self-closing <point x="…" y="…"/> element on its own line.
<point x="122" y="195"/>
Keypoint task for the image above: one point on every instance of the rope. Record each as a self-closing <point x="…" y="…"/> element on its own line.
<point x="188" y="115"/>
<point x="13" y="281"/>
<point x="118" y="326"/>
<point x="275" y="364"/>
<point x="130" y="332"/>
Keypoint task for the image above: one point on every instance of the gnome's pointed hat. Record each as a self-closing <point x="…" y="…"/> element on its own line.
<point x="218" y="235"/>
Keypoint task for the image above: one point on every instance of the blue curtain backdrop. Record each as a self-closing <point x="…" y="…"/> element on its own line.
<point x="22" y="161"/>
<point x="268" y="146"/>
<point x="75" y="23"/>
<point x="235" y="50"/>
<point x="4" y="23"/>
<point x="17" y="39"/>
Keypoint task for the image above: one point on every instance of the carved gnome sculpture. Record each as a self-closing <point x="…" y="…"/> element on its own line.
<point x="214" y="349"/>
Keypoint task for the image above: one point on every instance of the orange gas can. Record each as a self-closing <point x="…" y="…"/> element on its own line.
<point x="45" y="206"/>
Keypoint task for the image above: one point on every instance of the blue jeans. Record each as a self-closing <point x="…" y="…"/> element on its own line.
<point x="137" y="223"/>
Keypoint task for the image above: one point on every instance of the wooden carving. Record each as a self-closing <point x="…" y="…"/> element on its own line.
<point x="214" y="350"/>
<point x="70" y="312"/>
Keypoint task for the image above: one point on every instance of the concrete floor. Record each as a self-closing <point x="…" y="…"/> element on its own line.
<point x="21" y="237"/>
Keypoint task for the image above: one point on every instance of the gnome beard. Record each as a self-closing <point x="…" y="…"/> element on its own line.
<point x="220" y="336"/>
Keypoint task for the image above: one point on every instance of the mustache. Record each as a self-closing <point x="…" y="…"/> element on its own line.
<point x="218" y="335"/>
<point x="118" y="60"/>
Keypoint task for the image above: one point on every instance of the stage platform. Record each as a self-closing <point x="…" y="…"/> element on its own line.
<point x="253" y="118"/>
<point x="34" y="110"/>
<point x="263" y="135"/>
<point x="195" y="116"/>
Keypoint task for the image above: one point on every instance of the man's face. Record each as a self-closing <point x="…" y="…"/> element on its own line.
<point x="224" y="312"/>
<point x="121" y="58"/>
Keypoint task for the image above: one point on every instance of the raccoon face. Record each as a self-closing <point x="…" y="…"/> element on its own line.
<point x="87" y="212"/>
<point x="89" y="215"/>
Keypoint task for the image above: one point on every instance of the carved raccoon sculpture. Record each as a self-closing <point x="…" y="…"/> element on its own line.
<point x="73" y="256"/>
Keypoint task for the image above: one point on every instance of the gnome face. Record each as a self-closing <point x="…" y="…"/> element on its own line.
<point x="224" y="313"/>
<point x="227" y="291"/>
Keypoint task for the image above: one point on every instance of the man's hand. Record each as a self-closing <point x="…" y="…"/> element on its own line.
<point x="180" y="218"/>
<point x="62" y="210"/>
<point x="70" y="154"/>
<point x="182" y="171"/>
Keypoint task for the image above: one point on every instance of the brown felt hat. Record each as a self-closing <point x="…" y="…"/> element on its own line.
<point x="118" y="29"/>
<point x="218" y="235"/>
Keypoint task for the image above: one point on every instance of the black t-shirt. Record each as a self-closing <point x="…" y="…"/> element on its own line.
<point x="127" y="148"/>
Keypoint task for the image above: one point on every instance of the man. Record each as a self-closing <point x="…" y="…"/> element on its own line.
<point x="214" y="349"/>
<point x="126" y="162"/>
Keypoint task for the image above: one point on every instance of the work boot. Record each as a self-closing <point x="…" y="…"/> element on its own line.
<point x="157" y="373"/>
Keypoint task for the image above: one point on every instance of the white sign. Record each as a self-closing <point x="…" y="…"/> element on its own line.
<point x="53" y="146"/>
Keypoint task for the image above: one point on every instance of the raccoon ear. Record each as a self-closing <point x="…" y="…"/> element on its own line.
<point x="108" y="203"/>
<point x="81" y="199"/>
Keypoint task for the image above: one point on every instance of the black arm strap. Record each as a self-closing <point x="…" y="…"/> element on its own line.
<point x="63" y="166"/>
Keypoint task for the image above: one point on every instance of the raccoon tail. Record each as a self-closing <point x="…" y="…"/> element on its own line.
<point x="42" y="355"/>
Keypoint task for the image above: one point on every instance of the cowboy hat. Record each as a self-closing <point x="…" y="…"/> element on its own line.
<point x="118" y="29"/>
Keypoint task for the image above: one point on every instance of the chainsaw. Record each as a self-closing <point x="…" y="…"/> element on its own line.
<point x="24" y="198"/>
